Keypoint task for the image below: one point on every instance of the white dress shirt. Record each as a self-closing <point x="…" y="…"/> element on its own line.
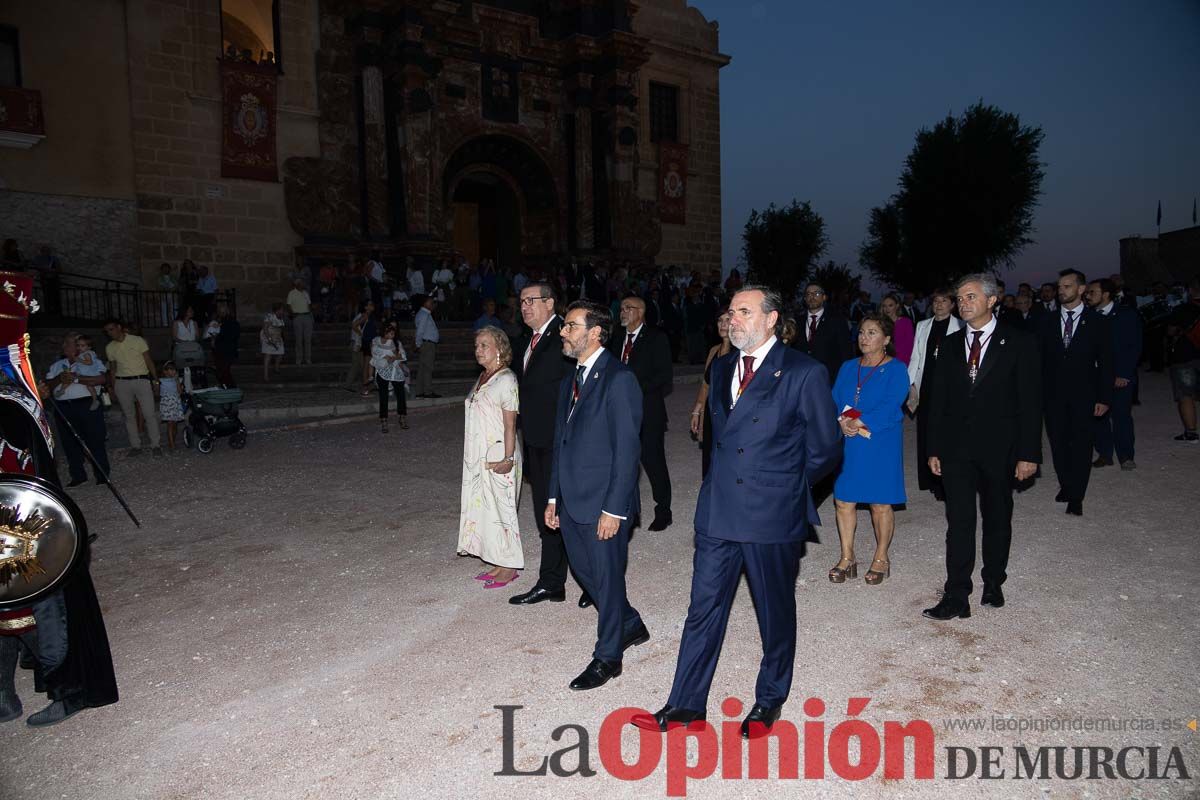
<point x="587" y="365"/>
<point x="539" y="332"/>
<point x="1108" y="309"/>
<point x="985" y="340"/>
<point x="1076" y="315"/>
<point x="819" y="314"/>
<point x="758" y="356"/>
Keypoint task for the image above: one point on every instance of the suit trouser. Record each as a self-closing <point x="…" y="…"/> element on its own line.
<point x="426" y="356"/>
<point x="141" y="391"/>
<point x="992" y="483"/>
<point x="552" y="574"/>
<point x="90" y="427"/>
<point x="600" y="567"/>
<point x="654" y="462"/>
<point x="1071" y="431"/>
<point x="771" y="571"/>
<point x="1115" y="429"/>
<point x="302" y="327"/>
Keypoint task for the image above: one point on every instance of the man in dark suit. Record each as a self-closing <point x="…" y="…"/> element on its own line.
<point x="1114" y="431"/>
<point x="647" y="351"/>
<point x="593" y="482"/>
<point x="985" y="432"/>
<point x="1023" y="314"/>
<point x="541" y="368"/>
<point x="775" y="433"/>
<point x="1077" y="385"/>
<point x="824" y="334"/>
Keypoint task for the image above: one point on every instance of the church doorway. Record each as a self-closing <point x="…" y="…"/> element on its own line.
<point x="487" y="220"/>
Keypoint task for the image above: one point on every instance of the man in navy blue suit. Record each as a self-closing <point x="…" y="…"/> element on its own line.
<point x="775" y="433"/>
<point x="594" y="482"/>
<point x="1114" y="430"/>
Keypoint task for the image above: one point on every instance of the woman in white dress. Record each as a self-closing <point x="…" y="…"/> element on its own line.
<point x="388" y="358"/>
<point x="270" y="338"/>
<point x="491" y="478"/>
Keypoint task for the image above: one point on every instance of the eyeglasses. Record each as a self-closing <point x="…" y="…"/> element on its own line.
<point x="814" y="293"/>
<point x="528" y="301"/>
<point x="631" y="308"/>
<point x="574" y="325"/>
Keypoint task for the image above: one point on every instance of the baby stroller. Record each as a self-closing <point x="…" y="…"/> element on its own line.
<point x="214" y="413"/>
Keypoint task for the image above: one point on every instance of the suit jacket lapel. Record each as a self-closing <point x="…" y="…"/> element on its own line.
<point x="594" y="377"/>
<point x="994" y="351"/>
<point x="719" y="397"/>
<point x="760" y="384"/>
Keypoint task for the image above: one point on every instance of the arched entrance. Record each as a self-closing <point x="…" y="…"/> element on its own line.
<point x="501" y="201"/>
<point x="487" y="219"/>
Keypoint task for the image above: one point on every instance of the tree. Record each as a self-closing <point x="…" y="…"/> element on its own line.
<point x="965" y="204"/>
<point x="780" y="245"/>
<point x="840" y="284"/>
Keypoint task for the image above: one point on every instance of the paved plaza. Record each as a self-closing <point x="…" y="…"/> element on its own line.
<point x="292" y="622"/>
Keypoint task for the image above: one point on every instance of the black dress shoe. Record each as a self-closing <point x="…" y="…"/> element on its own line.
<point x="639" y="636"/>
<point x="667" y="717"/>
<point x="537" y="595"/>
<point x="1075" y="507"/>
<point x="948" y="608"/>
<point x="1061" y="497"/>
<point x="75" y="483"/>
<point x="992" y="596"/>
<point x="762" y="719"/>
<point x="585" y="600"/>
<point x="661" y="522"/>
<point x="596" y="675"/>
<point x="1102" y="462"/>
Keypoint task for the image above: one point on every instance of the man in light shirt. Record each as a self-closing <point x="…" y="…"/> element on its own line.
<point x="300" y="306"/>
<point x="427" y="339"/>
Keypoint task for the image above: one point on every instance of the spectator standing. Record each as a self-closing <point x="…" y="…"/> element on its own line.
<point x="168" y="287"/>
<point x="926" y="352"/>
<point x="388" y="358"/>
<point x="170" y="402"/>
<point x="1183" y="355"/>
<point x="375" y="279"/>
<point x="904" y="331"/>
<point x="357" y="324"/>
<point x="133" y="379"/>
<point x="488" y="317"/>
<point x="270" y="338"/>
<point x="74" y="400"/>
<point x="825" y="336"/>
<point x="327" y="280"/>
<point x="206" y="291"/>
<point x="300" y="307"/>
<point x="48" y="268"/>
<point x="225" y="345"/>
<point x="427" y="338"/>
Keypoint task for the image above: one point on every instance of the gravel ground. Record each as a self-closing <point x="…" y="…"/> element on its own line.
<point x="291" y="622"/>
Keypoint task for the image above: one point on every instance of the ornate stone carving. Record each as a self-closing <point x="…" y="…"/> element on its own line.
<point x="320" y="196"/>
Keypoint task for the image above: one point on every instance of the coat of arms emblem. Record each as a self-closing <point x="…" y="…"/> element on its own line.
<point x="250" y="120"/>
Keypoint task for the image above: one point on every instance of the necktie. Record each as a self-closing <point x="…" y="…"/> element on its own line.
<point x="532" y="345"/>
<point x="976" y="354"/>
<point x="1067" y="328"/>
<point x="812" y="327"/>
<point x="577" y="386"/>
<point x="628" y="349"/>
<point x="747" y="373"/>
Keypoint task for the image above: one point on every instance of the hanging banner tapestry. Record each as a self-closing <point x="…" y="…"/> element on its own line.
<point x="248" y="121"/>
<point x="672" y="183"/>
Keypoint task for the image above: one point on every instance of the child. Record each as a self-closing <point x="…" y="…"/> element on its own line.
<point x="170" y="404"/>
<point x="88" y="365"/>
<point x="270" y="338"/>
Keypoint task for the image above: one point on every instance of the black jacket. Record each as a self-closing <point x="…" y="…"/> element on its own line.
<point x="650" y="361"/>
<point x="539" y="383"/>
<point x="832" y="345"/>
<point x="1081" y="375"/>
<point x="998" y="418"/>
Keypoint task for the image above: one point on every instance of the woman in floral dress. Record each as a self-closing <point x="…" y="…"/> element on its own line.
<point x="491" y="478"/>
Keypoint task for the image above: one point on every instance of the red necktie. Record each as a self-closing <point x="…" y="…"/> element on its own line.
<point x="533" y="344"/>
<point x="976" y="353"/>
<point x="1068" y="329"/>
<point x="747" y="373"/>
<point x="812" y="327"/>
<point x="628" y="348"/>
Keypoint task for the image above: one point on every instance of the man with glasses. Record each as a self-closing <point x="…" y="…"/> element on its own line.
<point x="824" y="334"/>
<point x="541" y="368"/>
<point x="593" y="482"/>
<point x="646" y="350"/>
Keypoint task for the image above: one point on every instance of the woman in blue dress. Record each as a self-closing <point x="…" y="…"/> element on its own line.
<point x="876" y="385"/>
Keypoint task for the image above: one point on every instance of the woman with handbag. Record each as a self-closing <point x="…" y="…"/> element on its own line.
<point x="391" y="371"/>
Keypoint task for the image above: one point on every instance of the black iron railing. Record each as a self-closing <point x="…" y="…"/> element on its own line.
<point x="83" y="298"/>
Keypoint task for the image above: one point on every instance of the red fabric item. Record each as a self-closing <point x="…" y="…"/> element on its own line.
<point x="628" y="349"/>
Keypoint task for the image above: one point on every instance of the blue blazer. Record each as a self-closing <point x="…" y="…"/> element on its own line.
<point x="780" y="439"/>
<point x="597" y="450"/>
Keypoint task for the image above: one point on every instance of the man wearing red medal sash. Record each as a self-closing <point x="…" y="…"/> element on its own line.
<point x="63" y="629"/>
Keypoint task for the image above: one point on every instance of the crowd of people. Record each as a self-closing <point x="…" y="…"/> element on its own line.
<point x="979" y="376"/>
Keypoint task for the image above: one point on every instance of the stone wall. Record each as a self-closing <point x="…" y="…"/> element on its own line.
<point x="239" y="228"/>
<point x="684" y="52"/>
<point x="91" y="235"/>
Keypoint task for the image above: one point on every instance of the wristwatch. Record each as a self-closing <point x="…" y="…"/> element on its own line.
<point x="510" y="459"/>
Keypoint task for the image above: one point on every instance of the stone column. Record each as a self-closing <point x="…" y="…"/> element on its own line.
<point x="375" y="174"/>
<point x="585" y="234"/>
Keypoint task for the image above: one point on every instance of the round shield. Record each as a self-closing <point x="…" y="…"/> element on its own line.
<point x="42" y="538"/>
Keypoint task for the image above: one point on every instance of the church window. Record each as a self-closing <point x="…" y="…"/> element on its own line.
<point x="664" y="113"/>
<point x="250" y="31"/>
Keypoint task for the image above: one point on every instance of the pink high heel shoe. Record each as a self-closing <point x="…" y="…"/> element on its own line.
<point x="495" y="584"/>
<point x="483" y="576"/>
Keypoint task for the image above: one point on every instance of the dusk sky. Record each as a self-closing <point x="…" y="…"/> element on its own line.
<point x="822" y="102"/>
